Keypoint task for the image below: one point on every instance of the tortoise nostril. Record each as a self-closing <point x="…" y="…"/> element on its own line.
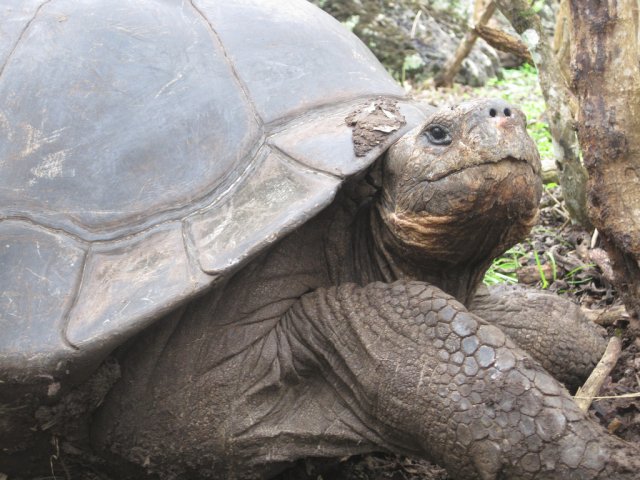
<point x="507" y="112"/>
<point x="493" y="112"/>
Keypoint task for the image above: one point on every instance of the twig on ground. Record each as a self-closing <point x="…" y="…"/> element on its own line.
<point x="564" y="225"/>
<point x="612" y="397"/>
<point x="606" y="317"/>
<point x="585" y="394"/>
<point x="601" y="258"/>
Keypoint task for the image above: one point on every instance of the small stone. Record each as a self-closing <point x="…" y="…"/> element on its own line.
<point x="52" y="390"/>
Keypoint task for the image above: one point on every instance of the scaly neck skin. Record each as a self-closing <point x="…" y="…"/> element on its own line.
<point x="378" y="255"/>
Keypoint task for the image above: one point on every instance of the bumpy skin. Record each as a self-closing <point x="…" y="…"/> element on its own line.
<point x="351" y="335"/>
<point x="401" y="367"/>
<point x="544" y="325"/>
<point x="485" y="409"/>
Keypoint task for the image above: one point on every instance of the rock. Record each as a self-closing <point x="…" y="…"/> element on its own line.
<point x="437" y="31"/>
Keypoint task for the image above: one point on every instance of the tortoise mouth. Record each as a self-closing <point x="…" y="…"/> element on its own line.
<point x="434" y="177"/>
<point x="489" y="189"/>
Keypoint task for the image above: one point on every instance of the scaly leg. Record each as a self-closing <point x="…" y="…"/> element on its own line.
<point x="553" y="330"/>
<point x="400" y="367"/>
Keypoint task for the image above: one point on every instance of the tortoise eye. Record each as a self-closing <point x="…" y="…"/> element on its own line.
<point x="438" y="135"/>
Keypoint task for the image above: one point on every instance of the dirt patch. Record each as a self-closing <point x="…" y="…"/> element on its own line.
<point x="375" y="466"/>
<point x="372" y="123"/>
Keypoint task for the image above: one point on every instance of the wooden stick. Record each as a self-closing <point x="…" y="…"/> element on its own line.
<point x="585" y="394"/>
<point x="504" y="42"/>
<point x="450" y="69"/>
<point x="607" y="317"/>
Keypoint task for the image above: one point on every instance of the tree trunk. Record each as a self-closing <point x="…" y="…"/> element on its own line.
<point x="606" y="80"/>
<point x="562" y="40"/>
<point x="559" y="102"/>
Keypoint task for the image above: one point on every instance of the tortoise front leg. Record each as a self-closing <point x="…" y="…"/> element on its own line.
<point x="551" y="329"/>
<point x="428" y="376"/>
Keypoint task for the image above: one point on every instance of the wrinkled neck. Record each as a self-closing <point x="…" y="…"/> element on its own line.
<point x="379" y="256"/>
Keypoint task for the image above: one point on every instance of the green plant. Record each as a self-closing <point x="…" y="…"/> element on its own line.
<point x="572" y="276"/>
<point x="543" y="279"/>
<point x="503" y="269"/>
<point x="411" y="63"/>
<point x="554" y="266"/>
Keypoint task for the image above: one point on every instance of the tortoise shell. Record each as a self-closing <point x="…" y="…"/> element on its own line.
<point x="148" y="148"/>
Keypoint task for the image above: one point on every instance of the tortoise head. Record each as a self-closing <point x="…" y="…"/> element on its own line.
<point x="462" y="187"/>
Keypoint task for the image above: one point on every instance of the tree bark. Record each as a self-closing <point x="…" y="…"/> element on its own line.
<point x="504" y="42"/>
<point x="559" y="102"/>
<point x="479" y="6"/>
<point x="606" y="80"/>
<point x="562" y="40"/>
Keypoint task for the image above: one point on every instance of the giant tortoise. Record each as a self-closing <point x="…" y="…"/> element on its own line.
<point x="230" y="241"/>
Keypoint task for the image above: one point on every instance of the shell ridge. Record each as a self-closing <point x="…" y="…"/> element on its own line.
<point x="76" y="295"/>
<point x="44" y="226"/>
<point x="21" y="36"/>
<point x="89" y="235"/>
<point x="232" y="67"/>
<point x="297" y="163"/>
<point x="256" y="159"/>
<point x="189" y="246"/>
